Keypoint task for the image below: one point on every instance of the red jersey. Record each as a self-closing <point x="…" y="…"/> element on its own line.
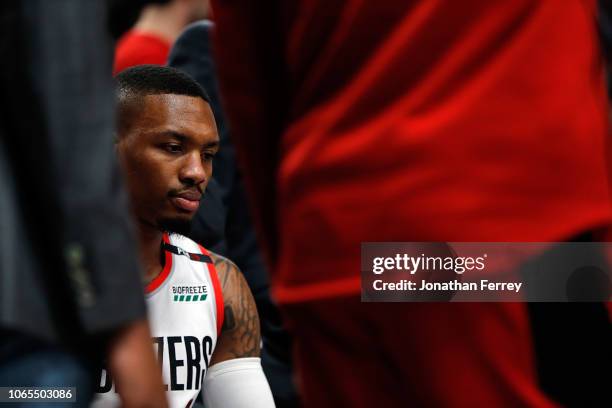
<point x="413" y="121"/>
<point x="138" y="48"/>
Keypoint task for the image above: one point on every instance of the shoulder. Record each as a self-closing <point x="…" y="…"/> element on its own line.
<point x="240" y="332"/>
<point x="233" y="284"/>
<point x="229" y="274"/>
<point x="223" y="263"/>
<point x="184" y="243"/>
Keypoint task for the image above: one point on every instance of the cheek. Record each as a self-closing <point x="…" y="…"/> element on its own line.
<point x="148" y="178"/>
<point x="208" y="169"/>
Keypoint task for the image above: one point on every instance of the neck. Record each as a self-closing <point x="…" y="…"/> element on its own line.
<point x="149" y="240"/>
<point x="165" y="21"/>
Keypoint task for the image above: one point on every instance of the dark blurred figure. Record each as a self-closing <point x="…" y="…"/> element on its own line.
<point x="223" y="221"/>
<point x="605" y="25"/>
<point x="70" y="287"/>
<point x="428" y="120"/>
<point x="122" y="14"/>
<point x="158" y="25"/>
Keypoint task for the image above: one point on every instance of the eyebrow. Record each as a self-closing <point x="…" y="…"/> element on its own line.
<point x="184" y="138"/>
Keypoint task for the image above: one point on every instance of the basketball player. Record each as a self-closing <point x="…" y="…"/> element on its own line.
<point x="203" y="318"/>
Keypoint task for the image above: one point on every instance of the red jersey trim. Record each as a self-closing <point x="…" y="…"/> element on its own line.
<point x="159" y="279"/>
<point x="217" y="288"/>
<point x="303" y="293"/>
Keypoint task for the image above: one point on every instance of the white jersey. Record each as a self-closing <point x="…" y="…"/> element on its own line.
<point x="185" y="309"/>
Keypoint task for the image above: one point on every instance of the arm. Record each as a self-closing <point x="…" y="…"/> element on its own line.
<point x="240" y="335"/>
<point x="235" y="377"/>
<point x="137" y="374"/>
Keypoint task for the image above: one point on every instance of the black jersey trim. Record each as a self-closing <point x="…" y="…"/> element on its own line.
<point x="179" y="251"/>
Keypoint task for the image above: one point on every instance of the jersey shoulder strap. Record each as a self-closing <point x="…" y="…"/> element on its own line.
<point x="183" y="246"/>
<point x="214" y="277"/>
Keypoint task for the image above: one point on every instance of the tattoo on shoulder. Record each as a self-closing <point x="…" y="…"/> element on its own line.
<point x="225" y="268"/>
<point x="229" y="322"/>
<point x="240" y="333"/>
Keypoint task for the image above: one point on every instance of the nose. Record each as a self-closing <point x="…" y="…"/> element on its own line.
<point x="192" y="172"/>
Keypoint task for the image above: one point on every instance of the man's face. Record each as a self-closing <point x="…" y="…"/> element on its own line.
<point x="167" y="151"/>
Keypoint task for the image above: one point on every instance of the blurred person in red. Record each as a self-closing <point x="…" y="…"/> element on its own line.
<point x="421" y="121"/>
<point x="158" y="26"/>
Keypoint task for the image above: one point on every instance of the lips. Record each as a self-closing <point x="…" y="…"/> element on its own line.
<point x="187" y="201"/>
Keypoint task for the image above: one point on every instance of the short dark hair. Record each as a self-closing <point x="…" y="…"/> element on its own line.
<point x="143" y="80"/>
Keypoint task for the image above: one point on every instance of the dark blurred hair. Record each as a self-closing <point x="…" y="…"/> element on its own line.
<point x="143" y="80"/>
<point x="122" y="14"/>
